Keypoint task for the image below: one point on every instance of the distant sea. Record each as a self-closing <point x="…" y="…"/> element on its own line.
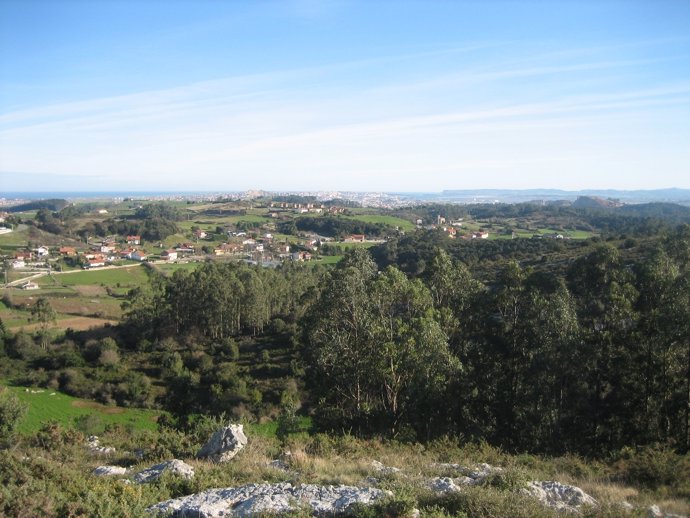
<point x="70" y="195"/>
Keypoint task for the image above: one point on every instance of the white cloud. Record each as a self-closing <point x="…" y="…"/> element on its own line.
<point x="310" y="129"/>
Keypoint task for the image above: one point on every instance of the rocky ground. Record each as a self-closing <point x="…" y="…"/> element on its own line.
<point x="435" y="484"/>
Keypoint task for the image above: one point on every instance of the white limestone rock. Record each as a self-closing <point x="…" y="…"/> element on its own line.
<point x="175" y="466"/>
<point x="224" y="444"/>
<point x="443" y="485"/>
<point x="256" y="499"/>
<point x="654" y="511"/>
<point x="104" y="471"/>
<point x="481" y="471"/>
<point x="279" y="464"/>
<point x="381" y="469"/>
<point x="94" y="446"/>
<point x="470" y="476"/>
<point x="559" y="496"/>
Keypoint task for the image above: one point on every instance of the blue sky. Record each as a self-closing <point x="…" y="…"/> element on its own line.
<point x="375" y="95"/>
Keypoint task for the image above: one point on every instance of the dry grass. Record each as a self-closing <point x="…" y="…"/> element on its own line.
<point x="97" y="406"/>
<point x="76" y="323"/>
<point x="90" y="290"/>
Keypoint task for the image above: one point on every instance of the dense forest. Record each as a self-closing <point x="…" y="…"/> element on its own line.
<point x="587" y="357"/>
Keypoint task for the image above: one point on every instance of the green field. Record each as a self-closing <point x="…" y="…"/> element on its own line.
<point x="14" y="239"/>
<point x="393" y="221"/>
<point x="132" y="276"/>
<point x="172" y="267"/>
<point x="348" y="246"/>
<point x="328" y="259"/>
<point x="43" y="406"/>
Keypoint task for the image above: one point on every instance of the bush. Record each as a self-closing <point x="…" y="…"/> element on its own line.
<point x="507" y="480"/>
<point x="655" y="465"/>
<point x="89" y="424"/>
<point x="52" y="436"/>
<point x="11" y="413"/>
<point x="399" y="505"/>
<point x="109" y="358"/>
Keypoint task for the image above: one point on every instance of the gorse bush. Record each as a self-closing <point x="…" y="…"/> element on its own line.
<point x="653" y="466"/>
<point x="11" y="412"/>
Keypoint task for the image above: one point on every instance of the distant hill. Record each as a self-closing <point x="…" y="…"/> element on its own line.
<point x="54" y="205"/>
<point x="595" y="202"/>
<point x="673" y="195"/>
<point x="666" y="211"/>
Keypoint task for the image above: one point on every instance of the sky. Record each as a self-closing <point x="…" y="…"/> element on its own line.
<point x="375" y="95"/>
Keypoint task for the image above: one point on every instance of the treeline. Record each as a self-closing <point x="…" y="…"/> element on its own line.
<point x="335" y="226"/>
<point x="219" y="300"/>
<point x="414" y="252"/>
<point x="588" y="362"/>
<point x="587" y="359"/>
<point x="54" y="205"/>
<point x="153" y="222"/>
<point x="645" y="219"/>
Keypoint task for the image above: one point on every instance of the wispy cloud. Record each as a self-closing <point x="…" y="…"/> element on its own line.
<point x="310" y="122"/>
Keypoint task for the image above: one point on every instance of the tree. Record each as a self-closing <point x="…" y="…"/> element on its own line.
<point x="383" y="363"/>
<point x="605" y="297"/>
<point x="43" y="313"/>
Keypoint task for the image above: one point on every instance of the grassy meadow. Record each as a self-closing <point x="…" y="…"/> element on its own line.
<point x="45" y="405"/>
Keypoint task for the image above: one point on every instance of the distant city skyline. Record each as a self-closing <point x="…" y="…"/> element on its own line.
<point x="308" y="95"/>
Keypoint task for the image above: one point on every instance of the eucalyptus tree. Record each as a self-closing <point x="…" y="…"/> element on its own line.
<point x="43" y="313"/>
<point x="340" y="339"/>
<point x="379" y="359"/>
<point x="605" y="294"/>
<point x="454" y="292"/>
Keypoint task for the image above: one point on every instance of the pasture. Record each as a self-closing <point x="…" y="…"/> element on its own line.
<point x="393" y="221"/>
<point x="49" y="405"/>
<point x="132" y="276"/>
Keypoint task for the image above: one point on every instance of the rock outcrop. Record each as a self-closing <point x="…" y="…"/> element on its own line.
<point x="175" y="466"/>
<point x="381" y="469"/>
<point x="224" y="444"/>
<point x="654" y="511"/>
<point x="256" y="499"/>
<point x="468" y="477"/>
<point x="559" y="496"/>
<point x="443" y="485"/>
<point x="94" y="446"/>
<point x="104" y="471"/>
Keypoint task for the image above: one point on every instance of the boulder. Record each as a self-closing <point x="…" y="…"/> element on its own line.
<point x="261" y="499"/>
<point x="224" y="444"/>
<point x="104" y="471"/>
<point x="176" y="467"/>
<point x="559" y="496"/>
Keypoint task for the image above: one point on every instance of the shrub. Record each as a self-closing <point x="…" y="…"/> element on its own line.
<point x="398" y="505"/>
<point x="655" y="465"/>
<point x="11" y="413"/>
<point x="89" y="424"/>
<point x="507" y="480"/>
<point x="109" y="358"/>
<point x="52" y="435"/>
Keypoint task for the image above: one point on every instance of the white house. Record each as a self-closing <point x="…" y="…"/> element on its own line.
<point x="170" y="255"/>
